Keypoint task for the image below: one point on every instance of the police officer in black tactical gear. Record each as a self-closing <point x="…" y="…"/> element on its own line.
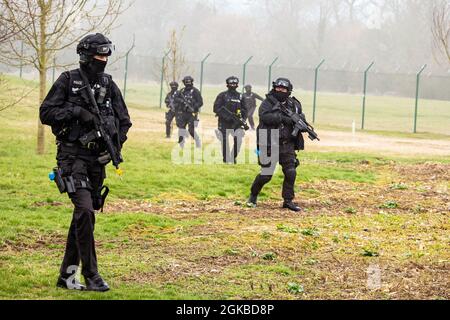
<point x="276" y="142"/>
<point x="229" y="108"/>
<point x="82" y="154"/>
<point x="188" y="102"/>
<point x="170" y="103"/>
<point x="249" y="99"/>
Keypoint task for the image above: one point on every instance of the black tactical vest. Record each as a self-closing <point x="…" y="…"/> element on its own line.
<point x="233" y="102"/>
<point x="77" y="95"/>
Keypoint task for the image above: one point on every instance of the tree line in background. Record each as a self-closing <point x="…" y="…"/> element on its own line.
<point x="398" y="34"/>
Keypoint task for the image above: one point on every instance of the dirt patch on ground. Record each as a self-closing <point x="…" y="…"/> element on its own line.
<point x="405" y="189"/>
<point x="32" y="240"/>
<point x="396" y="228"/>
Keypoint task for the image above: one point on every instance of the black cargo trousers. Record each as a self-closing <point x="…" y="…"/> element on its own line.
<point x="189" y="120"/>
<point x="289" y="163"/>
<point x="170" y="115"/>
<point x="226" y="129"/>
<point x="88" y="176"/>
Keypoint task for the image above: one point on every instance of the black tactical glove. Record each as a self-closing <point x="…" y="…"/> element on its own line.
<point x="83" y="114"/>
<point x="285" y="119"/>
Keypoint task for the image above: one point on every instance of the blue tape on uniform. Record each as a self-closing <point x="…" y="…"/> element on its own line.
<point x="51" y="176"/>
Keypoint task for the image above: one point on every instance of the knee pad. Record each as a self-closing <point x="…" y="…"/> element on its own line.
<point x="290" y="174"/>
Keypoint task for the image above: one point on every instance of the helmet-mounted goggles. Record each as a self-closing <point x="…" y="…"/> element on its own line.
<point x="282" y="83"/>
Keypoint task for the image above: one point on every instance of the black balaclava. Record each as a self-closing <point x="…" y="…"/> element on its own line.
<point x="232" y="84"/>
<point x="232" y="88"/>
<point x="285" y="84"/>
<point x="94" y="68"/>
<point x="281" y="96"/>
<point x="188" y="82"/>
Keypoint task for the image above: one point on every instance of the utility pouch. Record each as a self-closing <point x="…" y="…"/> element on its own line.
<point x="64" y="184"/>
<point x="104" y="159"/>
<point x="89" y="137"/>
<point x="70" y="184"/>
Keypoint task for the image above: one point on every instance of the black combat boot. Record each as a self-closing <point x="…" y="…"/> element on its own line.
<point x="291" y="206"/>
<point x="252" y="201"/>
<point x="70" y="284"/>
<point x="96" y="283"/>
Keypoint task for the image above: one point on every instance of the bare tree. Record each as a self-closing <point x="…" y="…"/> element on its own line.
<point x="49" y="26"/>
<point x="7" y="30"/>
<point x="441" y="28"/>
<point x="175" y="65"/>
<point x="15" y="96"/>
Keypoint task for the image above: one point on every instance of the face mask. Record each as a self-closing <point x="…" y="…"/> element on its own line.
<point x="97" y="66"/>
<point x="232" y="88"/>
<point x="281" y="96"/>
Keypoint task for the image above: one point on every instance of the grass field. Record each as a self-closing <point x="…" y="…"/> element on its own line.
<point x="182" y="232"/>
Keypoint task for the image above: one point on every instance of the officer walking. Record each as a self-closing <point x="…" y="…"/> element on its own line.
<point x="231" y="112"/>
<point x="249" y="99"/>
<point x="188" y="102"/>
<point x="170" y="103"/>
<point x="276" y="143"/>
<point x="82" y="152"/>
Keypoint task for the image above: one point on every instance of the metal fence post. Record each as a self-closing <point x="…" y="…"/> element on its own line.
<point x="244" y="71"/>
<point x="21" y="60"/>
<point x="201" y="71"/>
<point x="126" y="68"/>
<point x="417" y="97"/>
<point x="364" y="94"/>
<point x="162" y="78"/>
<point x="270" y="73"/>
<point x="316" y="76"/>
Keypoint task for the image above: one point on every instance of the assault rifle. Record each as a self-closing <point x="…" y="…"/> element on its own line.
<point x="301" y="125"/>
<point x="100" y="127"/>
<point x="187" y="104"/>
<point x="172" y="102"/>
<point x="238" y="120"/>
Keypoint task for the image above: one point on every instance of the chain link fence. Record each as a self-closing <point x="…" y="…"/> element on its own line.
<point x="390" y="102"/>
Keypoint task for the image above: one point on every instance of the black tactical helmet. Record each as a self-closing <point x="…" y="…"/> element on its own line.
<point x="94" y="44"/>
<point x="188" y="80"/>
<point x="173" y="84"/>
<point x="283" y="83"/>
<point x="232" y="81"/>
<point x="248" y="87"/>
